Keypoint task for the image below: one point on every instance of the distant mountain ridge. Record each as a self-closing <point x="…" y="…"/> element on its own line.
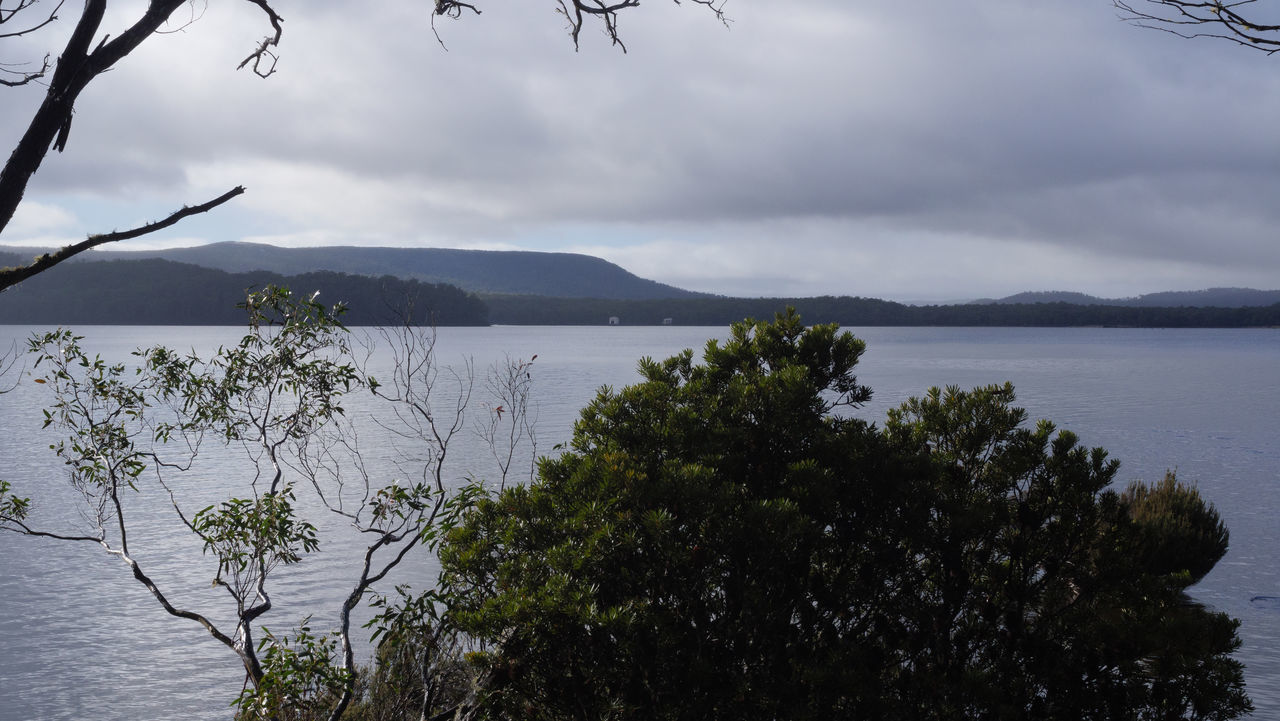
<point x="156" y="291"/>
<point x="1208" y="298"/>
<point x="563" y="275"/>
<point x="553" y="275"/>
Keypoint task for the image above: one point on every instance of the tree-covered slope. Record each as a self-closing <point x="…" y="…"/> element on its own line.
<point x="569" y="275"/>
<point x="1207" y="298"/>
<point x="162" y="292"/>
<point x="155" y="291"/>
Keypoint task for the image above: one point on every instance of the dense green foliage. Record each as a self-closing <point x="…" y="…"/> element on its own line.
<point x="162" y="292"/>
<point x="725" y="540"/>
<point x="1033" y="592"/>
<point x="1175" y="532"/>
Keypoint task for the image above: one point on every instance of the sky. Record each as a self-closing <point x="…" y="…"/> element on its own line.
<point x="914" y="150"/>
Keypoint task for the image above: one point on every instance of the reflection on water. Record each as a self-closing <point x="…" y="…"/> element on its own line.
<point x="80" y="639"/>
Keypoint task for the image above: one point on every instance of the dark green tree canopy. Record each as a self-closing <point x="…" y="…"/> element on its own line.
<point x="725" y="540"/>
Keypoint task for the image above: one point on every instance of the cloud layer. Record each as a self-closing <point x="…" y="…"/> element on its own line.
<point x="919" y="150"/>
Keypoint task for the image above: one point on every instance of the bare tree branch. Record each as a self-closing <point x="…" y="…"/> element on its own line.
<point x="8" y="361"/>
<point x="7" y="14"/>
<point x="77" y="65"/>
<point x="257" y="57"/>
<point x="12" y="276"/>
<point x="450" y="9"/>
<point x="194" y="15"/>
<point x="454" y="8"/>
<point x="1223" y="20"/>
<point x="577" y="11"/>
<point x="18" y="77"/>
<point x="512" y="416"/>
<point x="22" y="77"/>
<point x="16" y="525"/>
<point x="81" y="61"/>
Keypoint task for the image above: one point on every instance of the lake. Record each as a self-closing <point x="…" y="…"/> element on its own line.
<point x="79" y="638"/>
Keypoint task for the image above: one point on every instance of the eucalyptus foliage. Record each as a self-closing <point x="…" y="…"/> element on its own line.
<point x="273" y="407"/>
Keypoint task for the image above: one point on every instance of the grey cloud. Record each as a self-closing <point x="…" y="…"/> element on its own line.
<point x="1044" y="123"/>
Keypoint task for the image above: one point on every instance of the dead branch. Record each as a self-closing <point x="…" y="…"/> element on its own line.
<point x="1223" y="20"/>
<point x="7" y="15"/>
<point x="8" y="360"/>
<point x="22" y="77"/>
<point x="576" y="12"/>
<point x="263" y="53"/>
<point x="450" y="9"/>
<point x="18" y="77"/>
<point x="12" y="276"/>
<point x="195" y="14"/>
<point x="454" y="8"/>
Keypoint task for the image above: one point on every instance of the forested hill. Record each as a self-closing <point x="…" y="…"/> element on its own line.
<point x="162" y="292"/>
<point x="1208" y="298"/>
<point x="566" y="275"/>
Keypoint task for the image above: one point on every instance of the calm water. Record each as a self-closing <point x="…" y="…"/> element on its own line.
<point x="80" y="639"/>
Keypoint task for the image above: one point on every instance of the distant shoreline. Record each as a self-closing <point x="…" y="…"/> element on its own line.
<point x="852" y="311"/>
<point x="164" y="292"/>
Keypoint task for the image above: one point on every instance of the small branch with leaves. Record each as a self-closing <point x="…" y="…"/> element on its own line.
<point x="512" y="417"/>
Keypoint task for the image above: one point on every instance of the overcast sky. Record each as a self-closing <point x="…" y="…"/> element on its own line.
<point x="903" y="149"/>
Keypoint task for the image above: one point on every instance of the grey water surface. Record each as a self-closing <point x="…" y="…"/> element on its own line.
<point x="79" y="638"/>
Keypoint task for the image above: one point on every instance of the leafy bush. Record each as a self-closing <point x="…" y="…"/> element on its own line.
<point x="724" y="541"/>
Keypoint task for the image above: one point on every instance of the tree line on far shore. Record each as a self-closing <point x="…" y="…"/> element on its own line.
<point x="161" y="292"/>
<point x="853" y="311"/>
